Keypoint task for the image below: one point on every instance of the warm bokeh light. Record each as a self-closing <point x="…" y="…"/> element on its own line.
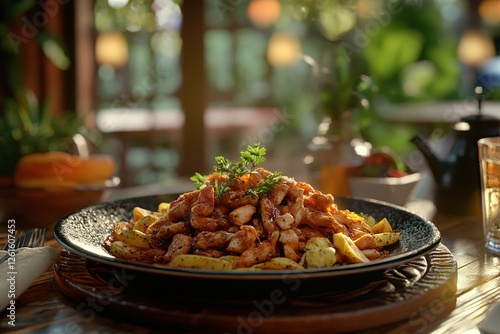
<point x="475" y="47"/>
<point x="283" y="50"/>
<point x="263" y="13"/>
<point x="364" y="7"/>
<point x="489" y="10"/>
<point x="111" y="49"/>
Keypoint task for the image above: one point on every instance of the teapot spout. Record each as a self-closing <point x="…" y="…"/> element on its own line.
<point x="434" y="163"/>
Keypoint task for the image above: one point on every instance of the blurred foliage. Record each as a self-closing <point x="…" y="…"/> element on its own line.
<point x="12" y="27"/>
<point x="10" y="10"/>
<point x="25" y="126"/>
<point x="413" y="58"/>
<point x="28" y="127"/>
<point x="375" y="53"/>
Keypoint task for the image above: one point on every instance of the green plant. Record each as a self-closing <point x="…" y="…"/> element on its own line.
<point x="28" y="127"/>
<point x="341" y="84"/>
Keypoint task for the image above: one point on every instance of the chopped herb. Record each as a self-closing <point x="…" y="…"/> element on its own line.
<point x="199" y="180"/>
<point x="250" y="159"/>
<point x="266" y="185"/>
<point x="220" y="189"/>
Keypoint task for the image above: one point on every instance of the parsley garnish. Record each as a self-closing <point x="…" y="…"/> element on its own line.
<point x="199" y="180"/>
<point x="250" y="159"/>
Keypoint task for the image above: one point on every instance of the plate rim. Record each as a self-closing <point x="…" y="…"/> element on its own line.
<point x="338" y="271"/>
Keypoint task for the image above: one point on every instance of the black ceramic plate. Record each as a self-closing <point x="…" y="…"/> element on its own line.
<point x="84" y="232"/>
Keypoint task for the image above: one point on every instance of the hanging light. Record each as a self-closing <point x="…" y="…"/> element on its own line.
<point x="475" y="47"/>
<point x="111" y="49"/>
<point x="283" y="50"/>
<point x="263" y="13"/>
<point x="489" y="10"/>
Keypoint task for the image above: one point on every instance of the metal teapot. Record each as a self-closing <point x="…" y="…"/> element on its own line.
<point x="457" y="178"/>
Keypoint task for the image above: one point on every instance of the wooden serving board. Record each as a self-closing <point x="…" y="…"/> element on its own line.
<point x="156" y="301"/>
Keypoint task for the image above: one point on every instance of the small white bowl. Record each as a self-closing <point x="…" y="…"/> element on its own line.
<point x="395" y="190"/>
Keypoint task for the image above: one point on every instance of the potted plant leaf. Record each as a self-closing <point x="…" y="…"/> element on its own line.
<point x="47" y="165"/>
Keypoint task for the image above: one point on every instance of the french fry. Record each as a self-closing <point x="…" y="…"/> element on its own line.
<point x="142" y="224"/>
<point x="133" y="238"/>
<point x="247" y="269"/>
<point x="199" y="262"/>
<point x="124" y="251"/>
<point x="349" y="252"/>
<point x="382" y="226"/>
<point x="386" y="238"/>
<point x="366" y="241"/>
<point x="139" y="213"/>
<point x="278" y="263"/>
<point x="163" y="207"/>
<point x="119" y="227"/>
<point x="233" y="259"/>
<point x="369" y="220"/>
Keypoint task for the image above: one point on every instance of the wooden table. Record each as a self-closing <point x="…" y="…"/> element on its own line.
<point x="43" y="309"/>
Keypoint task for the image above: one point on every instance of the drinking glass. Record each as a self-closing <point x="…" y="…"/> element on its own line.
<point x="489" y="159"/>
